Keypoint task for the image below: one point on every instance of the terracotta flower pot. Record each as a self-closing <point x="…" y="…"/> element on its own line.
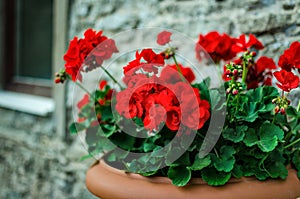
<point x="110" y="183"/>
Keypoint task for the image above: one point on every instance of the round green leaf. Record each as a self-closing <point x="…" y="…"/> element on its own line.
<point x="180" y="175"/>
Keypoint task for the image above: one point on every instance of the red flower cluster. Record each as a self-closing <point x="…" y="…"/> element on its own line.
<point x="241" y="45"/>
<point x="153" y="100"/>
<point x="219" y="47"/>
<point x="152" y="59"/>
<point x="290" y="59"/>
<point x="170" y="74"/>
<point x="163" y="38"/>
<point x="287" y="80"/>
<point x="224" y="47"/>
<point x="102" y="101"/>
<point x="93" y="49"/>
<point x="260" y="72"/>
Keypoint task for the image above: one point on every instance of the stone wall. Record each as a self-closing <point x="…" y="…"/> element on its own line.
<point x="275" y="22"/>
<point x="35" y="163"/>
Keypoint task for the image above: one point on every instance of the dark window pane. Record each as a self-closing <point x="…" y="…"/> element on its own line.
<point x="34" y="38"/>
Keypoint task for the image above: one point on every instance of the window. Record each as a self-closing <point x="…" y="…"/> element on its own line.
<point x="27" y="46"/>
<point x="32" y="42"/>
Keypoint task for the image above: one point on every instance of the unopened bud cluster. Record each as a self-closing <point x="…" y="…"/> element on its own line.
<point x="235" y="88"/>
<point x="60" y="77"/>
<point x="248" y="57"/>
<point x="233" y="70"/>
<point x="281" y="103"/>
<point x="168" y="53"/>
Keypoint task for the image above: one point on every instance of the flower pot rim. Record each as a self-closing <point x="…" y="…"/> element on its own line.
<point x="105" y="181"/>
<point x="161" y="179"/>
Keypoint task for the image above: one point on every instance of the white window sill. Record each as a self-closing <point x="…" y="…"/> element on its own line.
<point x="36" y="105"/>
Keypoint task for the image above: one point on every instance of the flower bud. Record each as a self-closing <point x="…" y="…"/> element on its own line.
<point x="282" y="111"/>
<point x="235" y="92"/>
<point x="253" y="54"/>
<point x="274" y="100"/>
<point x="276" y="109"/>
<point x="228" y="90"/>
<point x="57" y="80"/>
<point x="228" y="72"/>
<point x="235" y="72"/>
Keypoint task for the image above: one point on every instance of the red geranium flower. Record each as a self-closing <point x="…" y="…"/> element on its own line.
<point x="93" y="49"/>
<point x="173" y="118"/>
<point x="102" y="84"/>
<point x="287" y="80"/>
<point x="291" y="57"/>
<point x="152" y="59"/>
<point x="104" y="51"/>
<point x="216" y="45"/>
<point x="241" y="45"/>
<point x="84" y="101"/>
<point x="170" y="74"/>
<point x="264" y="63"/>
<point x="163" y="38"/>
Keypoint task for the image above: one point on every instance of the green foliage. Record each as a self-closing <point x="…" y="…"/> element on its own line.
<point x="200" y="163"/>
<point x="214" y="177"/>
<point x="235" y="135"/>
<point x="225" y="161"/>
<point x="296" y="161"/>
<point x="180" y="175"/>
<point x="253" y="142"/>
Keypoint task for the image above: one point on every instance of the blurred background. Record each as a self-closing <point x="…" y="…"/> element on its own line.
<point x="38" y="157"/>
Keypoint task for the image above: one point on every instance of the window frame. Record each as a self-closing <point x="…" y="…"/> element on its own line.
<point x="11" y="82"/>
<point x="59" y="43"/>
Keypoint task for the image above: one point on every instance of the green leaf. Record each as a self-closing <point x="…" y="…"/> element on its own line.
<point x="203" y="88"/>
<point x="158" y="152"/>
<point x="236" y="135"/>
<point x="270" y="134"/>
<point x="86" y="157"/>
<point x="214" y="177"/>
<point x="105" y="144"/>
<point x="250" y="111"/>
<point x="200" y="163"/>
<point x="292" y="112"/>
<point x="296" y="159"/>
<point x="106" y="113"/>
<point x="91" y="135"/>
<point x="173" y="158"/>
<point x="274" y="165"/>
<point x="237" y="171"/>
<point x="123" y="140"/>
<point x="225" y="161"/>
<point x="217" y="100"/>
<point x="107" y="129"/>
<point x="117" y="155"/>
<point x="73" y="129"/>
<point x="180" y="175"/>
<point x="251" y="138"/>
<point x="148" y="146"/>
<point x="263" y="94"/>
<point x="76" y="127"/>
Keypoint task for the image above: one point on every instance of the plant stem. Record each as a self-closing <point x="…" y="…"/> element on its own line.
<point x="83" y="88"/>
<point x="216" y="152"/>
<point x="274" y="118"/>
<point x="111" y="77"/>
<point x="245" y="71"/>
<point x="291" y="144"/>
<point x="178" y="68"/>
<point x="237" y="102"/>
<point x="298" y="107"/>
